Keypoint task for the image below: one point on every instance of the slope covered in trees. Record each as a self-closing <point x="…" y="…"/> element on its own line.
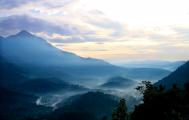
<point x="93" y="104"/>
<point x="179" y="77"/>
<point x="19" y="106"/>
<point x="160" y="104"/>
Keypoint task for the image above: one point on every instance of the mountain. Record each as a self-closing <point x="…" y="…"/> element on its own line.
<point x="146" y="73"/>
<point x="179" y="77"/>
<point x="14" y="78"/>
<point x="92" y="103"/>
<point x="26" y="48"/>
<point x="10" y="74"/>
<point x="118" y="82"/>
<point x="167" y="65"/>
<point x="48" y="85"/>
<point x="40" y="58"/>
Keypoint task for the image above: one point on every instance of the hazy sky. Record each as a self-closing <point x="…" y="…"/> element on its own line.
<point x="114" y="30"/>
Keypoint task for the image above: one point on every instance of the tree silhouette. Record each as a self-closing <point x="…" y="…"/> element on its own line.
<point x="161" y="104"/>
<point x="120" y="113"/>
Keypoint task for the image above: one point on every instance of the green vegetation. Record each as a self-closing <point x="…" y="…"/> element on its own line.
<point x="161" y="104"/>
<point x="120" y="113"/>
<point x="158" y="104"/>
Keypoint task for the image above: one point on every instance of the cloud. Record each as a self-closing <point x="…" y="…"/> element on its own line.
<point x="70" y="39"/>
<point x="77" y="39"/>
<point x="57" y="4"/>
<point x="31" y="24"/>
<point x="183" y="31"/>
<point x="8" y="4"/>
<point x="115" y="29"/>
<point x="88" y="27"/>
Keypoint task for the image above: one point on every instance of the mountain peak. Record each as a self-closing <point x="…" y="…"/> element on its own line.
<point x="24" y="33"/>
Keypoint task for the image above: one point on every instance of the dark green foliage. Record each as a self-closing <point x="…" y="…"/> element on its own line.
<point x="162" y="105"/>
<point x="120" y="113"/>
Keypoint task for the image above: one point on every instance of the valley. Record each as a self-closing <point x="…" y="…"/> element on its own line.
<point x="36" y="76"/>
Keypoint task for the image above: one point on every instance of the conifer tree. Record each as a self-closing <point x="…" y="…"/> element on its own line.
<point x="121" y="112"/>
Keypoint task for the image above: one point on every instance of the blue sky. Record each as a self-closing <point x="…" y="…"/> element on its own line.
<point x="114" y="30"/>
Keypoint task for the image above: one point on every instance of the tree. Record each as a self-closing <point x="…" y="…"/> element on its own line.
<point x="115" y="115"/>
<point x="147" y="90"/>
<point x="120" y="113"/>
<point x="159" y="104"/>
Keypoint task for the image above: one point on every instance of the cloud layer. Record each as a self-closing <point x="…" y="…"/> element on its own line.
<point x="35" y="25"/>
<point x="110" y="30"/>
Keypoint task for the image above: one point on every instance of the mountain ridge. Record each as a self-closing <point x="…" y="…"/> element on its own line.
<point x="118" y="82"/>
<point x="179" y="77"/>
<point x="39" y="58"/>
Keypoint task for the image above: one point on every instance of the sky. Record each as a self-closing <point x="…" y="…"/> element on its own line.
<point x="113" y="30"/>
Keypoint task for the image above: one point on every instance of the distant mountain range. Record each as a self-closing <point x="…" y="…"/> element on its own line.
<point x="150" y="74"/>
<point x="31" y="52"/>
<point x="167" y="65"/>
<point x="34" y="73"/>
<point x="38" y="58"/>
<point x="179" y="77"/>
